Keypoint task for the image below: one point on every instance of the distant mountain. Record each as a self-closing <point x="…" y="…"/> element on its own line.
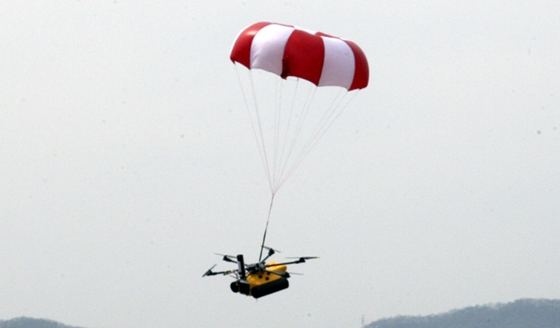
<point x="24" y="322"/>
<point x="524" y="313"/>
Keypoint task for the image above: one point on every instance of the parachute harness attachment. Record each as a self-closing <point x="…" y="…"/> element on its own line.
<point x="266" y="228"/>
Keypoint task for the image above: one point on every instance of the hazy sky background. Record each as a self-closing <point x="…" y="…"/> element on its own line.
<point x="127" y="160"/>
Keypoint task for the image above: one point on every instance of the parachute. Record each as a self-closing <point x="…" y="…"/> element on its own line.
<point x="295" y="84"/>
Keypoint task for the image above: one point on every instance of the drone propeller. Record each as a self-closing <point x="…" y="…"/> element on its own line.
<point x="272" y="249"/>
<point x="299" y="260"/>
<point x="227" y="258"/>
<point x="296" y="273"/>
<point x="209" y="272"/>
<point x="212" y="273"/>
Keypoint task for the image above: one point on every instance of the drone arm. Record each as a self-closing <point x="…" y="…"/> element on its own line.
<point x="212" y="273"/>
<point x="284" y="263"/>
<point x="270" y="253"/>
<point x="300" y="260"/>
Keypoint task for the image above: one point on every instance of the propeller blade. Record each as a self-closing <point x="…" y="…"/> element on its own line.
<point x="209" y="272"/>
<point x="272" y="249"/>
<point x="304" y="257"/>
<point x="212" y="273"/>
<point x="299" y="260"/>
<point x="227" y="258"/>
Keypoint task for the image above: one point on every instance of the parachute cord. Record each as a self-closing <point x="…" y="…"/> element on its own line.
<point x="335" y="112"/>
<point x="302" y="117"/>
<point x="281" y="139"/>
<point x="266" y="228"/>
<point x="254" y="119"/>
<point x="277" y="129"/>
<point x="263" y="145"/>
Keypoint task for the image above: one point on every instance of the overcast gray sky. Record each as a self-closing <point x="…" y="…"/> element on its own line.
<point x="127" y="160"/>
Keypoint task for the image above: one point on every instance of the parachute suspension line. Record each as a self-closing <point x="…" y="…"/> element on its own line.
<point x="277" y="129"/>
<point x="282" y="159"/>
<point x="283" y="117"/>
<point x="335" y="107"/>
<point x="303" y="112"/>
<point x="255" y="120"/>
<point x="263" y="144"/>
<point x="266" y="228"/>
<point x="260" y="144"/>
<point x="310" y="142"/>
<point x="326" y="121"/>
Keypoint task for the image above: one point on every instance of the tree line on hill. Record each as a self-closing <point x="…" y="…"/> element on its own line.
<point x="25" y="322"/>
<point x="523" y="313"/>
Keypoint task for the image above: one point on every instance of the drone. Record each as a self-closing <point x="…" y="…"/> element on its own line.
<point x="258" y="279"/>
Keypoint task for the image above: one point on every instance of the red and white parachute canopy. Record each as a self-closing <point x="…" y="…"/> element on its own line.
<point x="295" y="86"/>
<point x="286" y="50"/>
